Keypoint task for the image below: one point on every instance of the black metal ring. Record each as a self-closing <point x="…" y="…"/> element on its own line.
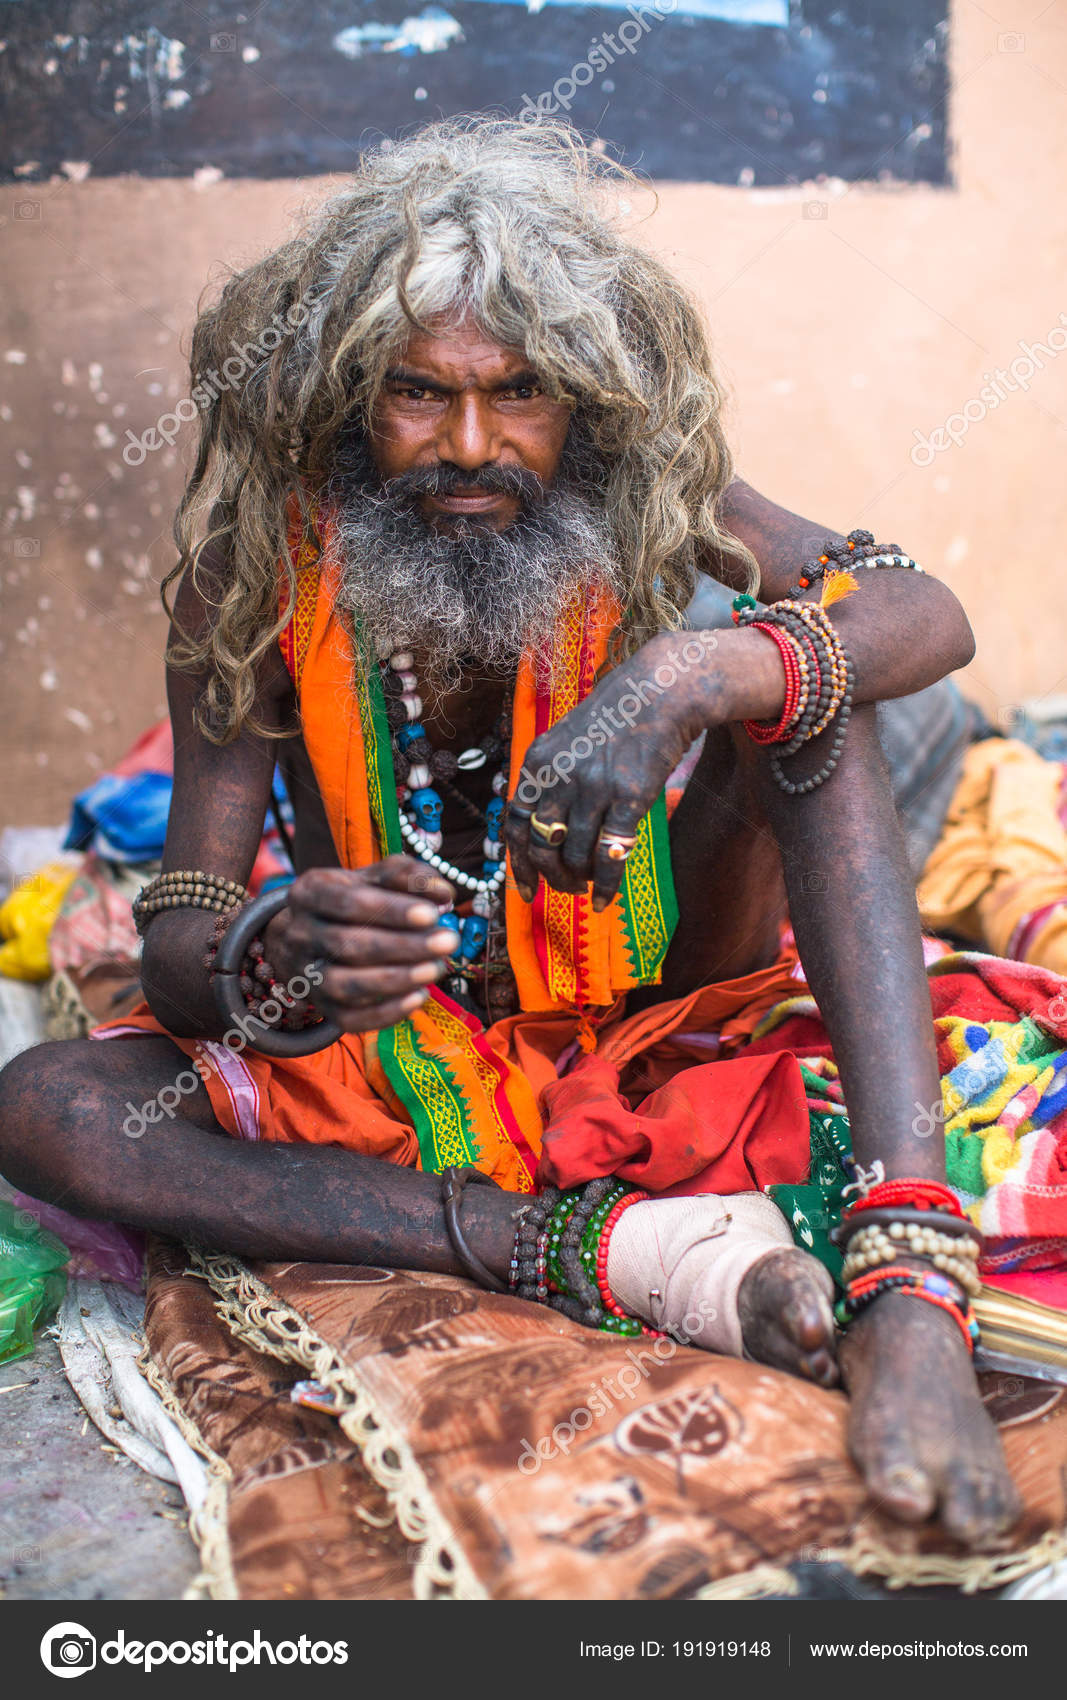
<point x="453" y="1180"/>
<point x="270" y="1041"/>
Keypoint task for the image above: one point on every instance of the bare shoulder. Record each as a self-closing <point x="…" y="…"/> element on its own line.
<point x="780" y="539"/>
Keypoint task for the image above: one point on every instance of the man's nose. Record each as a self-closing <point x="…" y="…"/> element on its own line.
<point x="468" y="438"/>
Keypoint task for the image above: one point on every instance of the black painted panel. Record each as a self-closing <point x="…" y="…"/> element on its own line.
<point x="854" y="90"/>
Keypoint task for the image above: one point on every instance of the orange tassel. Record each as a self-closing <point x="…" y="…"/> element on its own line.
<point x="836" y="585"/>
<point x="586" y="1033"/>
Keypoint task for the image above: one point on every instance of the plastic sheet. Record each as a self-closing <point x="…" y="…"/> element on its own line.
<point x="32" y="1279"/>
<point x="105" y="1251"/>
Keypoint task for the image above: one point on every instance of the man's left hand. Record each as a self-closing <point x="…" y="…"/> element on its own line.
<point x="593" y="776"/>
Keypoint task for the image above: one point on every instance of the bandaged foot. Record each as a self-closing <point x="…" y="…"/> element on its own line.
<point x="723" y="1273"/>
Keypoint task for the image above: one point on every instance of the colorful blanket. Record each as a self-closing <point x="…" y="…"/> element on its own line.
<point x="1002" y="1050"/>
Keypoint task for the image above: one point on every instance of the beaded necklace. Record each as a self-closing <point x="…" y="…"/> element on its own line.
<point x="417" y="766"/>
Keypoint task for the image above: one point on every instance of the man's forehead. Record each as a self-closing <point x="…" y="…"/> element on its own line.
<point x="459" y="351"/>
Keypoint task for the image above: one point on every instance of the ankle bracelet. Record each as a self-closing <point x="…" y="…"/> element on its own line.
<point x="935" y="1289"/>
<point x="560" y="1254"/>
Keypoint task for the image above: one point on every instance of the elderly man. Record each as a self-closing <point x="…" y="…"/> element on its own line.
<point x="436" y="552"/>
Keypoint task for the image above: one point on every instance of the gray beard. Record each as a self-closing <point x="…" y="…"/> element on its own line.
<point x="463" y="595"/>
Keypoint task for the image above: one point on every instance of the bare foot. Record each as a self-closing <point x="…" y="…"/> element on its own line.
<point x="917" y="1427"/>
<point x="786" y="1319"/>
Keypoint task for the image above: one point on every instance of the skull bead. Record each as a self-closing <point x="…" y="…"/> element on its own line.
<point x="428" y="808"/>
<point x="472" y="937"/>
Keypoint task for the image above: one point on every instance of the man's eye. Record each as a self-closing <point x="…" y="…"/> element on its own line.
<point x="523" y="392"/>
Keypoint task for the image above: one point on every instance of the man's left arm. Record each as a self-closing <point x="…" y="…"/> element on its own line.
<point x="903" y="630"/>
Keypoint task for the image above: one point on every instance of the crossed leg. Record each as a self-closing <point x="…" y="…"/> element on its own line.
<point x="62" y="1109"/>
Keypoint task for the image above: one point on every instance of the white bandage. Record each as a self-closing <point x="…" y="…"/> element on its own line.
<point x="678" y="1263"/>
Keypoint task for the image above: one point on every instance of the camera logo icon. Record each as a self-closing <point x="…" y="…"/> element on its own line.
<point x="68" y="1649"/>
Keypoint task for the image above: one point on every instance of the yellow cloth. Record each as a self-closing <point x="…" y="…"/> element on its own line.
<point x="26" y="919"/>
<point x="1002" y="856"/>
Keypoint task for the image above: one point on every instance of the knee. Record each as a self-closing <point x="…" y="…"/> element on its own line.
<point x="48" y="1096"/>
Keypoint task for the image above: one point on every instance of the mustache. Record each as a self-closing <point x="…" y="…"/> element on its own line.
<point x="447" y="479"/>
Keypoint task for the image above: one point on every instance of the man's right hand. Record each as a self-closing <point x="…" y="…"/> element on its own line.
<point x="374" y="934"/>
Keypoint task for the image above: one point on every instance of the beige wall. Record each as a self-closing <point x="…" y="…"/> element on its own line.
<point x="846" y="318"/>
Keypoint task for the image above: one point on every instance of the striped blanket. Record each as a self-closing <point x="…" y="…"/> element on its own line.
<point x="1002" y="1051"/>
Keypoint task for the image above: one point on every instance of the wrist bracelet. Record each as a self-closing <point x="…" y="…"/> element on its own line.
<point x="607" y="1297"/>
<point x="557" y="1258"/>
<point x="933" y="1289"/>
<point x="917" y="1194"/>
<point x="818" y="691"/>
<point x="258" y="982"/>
<point x="858" y="550"/>
<point x="876" y="1246"/>
<point x="453" y="1180"/>
<point x="188" y="888"/>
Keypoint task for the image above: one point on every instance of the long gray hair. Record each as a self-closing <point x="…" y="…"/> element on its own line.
<point x="501" y="221"/>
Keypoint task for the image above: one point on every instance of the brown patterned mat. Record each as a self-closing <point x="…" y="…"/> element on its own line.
<point x="486" y="1448"/>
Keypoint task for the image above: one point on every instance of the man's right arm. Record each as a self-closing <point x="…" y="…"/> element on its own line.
<point x="374" y="931"/>
<point x="216" y="820"/>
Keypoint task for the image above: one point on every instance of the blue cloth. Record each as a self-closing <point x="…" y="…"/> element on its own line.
<point x="123" y="819"/>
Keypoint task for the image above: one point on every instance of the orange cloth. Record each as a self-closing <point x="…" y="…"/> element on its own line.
<point x="998" y="874"/>
<point x="468" y="1102"/>
<point x="341" y="1096"/>
<point x="563" y="952"/>
<point x="573" y="967"/>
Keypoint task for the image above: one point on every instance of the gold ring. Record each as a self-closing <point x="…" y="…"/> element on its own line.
<point x="615" y="845"/>
<point x="550" y="832"/>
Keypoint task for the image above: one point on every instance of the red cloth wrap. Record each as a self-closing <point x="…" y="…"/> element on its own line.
<point x="723" y="1127"/>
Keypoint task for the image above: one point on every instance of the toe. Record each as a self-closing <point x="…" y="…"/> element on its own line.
<point x="897" y="1482"/>
<point x="786" y="1318"/>
<point x="808" y="1323"/>
<point x="821" y="1367"/>
<point x="980" y="1505"/>
<point x="808" y="1320"/>
<point x="781" y="1351"/>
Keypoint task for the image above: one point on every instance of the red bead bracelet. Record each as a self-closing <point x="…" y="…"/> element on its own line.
<point x="607" y="1297"/>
